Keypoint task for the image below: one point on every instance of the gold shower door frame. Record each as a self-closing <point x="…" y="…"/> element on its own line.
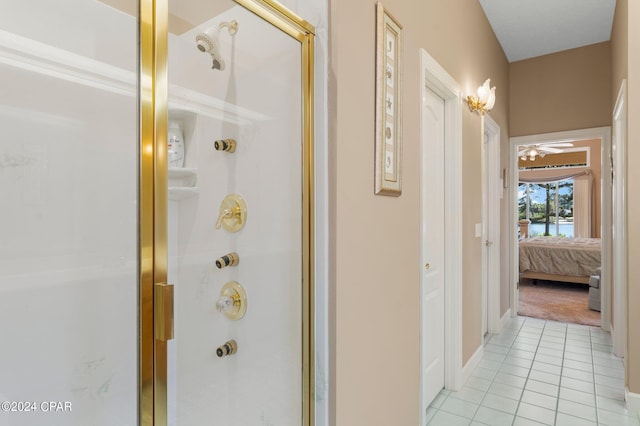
<point x="155" y="322"/>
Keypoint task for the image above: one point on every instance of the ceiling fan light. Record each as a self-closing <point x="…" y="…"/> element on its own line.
<point x="523" y="158"/>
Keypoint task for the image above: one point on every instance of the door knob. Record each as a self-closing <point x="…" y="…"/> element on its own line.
<point x="232" y="301"/>
<point x="233" y="213"/>
<point x="427" y="266"/>
<point x="488" y="243"/>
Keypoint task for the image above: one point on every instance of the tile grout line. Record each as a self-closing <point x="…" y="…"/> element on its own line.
<point x="593" y="372"/>
<point x="564" y="350"/>
<point x="497" y="371"/>
<point x="492" y="381"/>
<point x="529" y="373"/>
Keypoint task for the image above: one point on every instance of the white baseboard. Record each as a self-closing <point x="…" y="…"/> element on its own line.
<point x="633" y="402"/>
<point x="471" y="364"/>
<point x="504" y="320"/>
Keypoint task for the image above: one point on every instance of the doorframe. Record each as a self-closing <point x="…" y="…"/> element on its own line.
<point x="602" y="133"/>
<point x="491" y="223"/>
<point x="436" y="78"/>
<point x="619" y="269"/>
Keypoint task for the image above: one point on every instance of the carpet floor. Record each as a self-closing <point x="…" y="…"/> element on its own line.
<point x="557" y="301"/>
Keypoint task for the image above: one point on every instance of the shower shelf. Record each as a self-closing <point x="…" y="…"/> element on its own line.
<point x="182" y="183"/>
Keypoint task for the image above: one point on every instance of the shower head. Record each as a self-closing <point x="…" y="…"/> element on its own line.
<point x="207" y="42"/>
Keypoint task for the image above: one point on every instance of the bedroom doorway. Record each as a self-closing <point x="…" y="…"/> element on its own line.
<point x="565" y="172"/>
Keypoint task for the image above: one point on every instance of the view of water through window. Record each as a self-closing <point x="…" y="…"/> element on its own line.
<point x="547" y="203"/>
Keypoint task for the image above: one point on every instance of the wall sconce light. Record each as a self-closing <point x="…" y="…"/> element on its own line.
<point x="485" y="100"/>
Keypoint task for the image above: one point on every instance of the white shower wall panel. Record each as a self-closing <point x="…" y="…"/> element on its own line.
<point x="261" y="384"/>
<point x="68" y="223"/>
<point x="55" y="348"/>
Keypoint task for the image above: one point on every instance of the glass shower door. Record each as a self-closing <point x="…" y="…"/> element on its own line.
<point x="68" y="222"/>
<point x="238" y="215"/>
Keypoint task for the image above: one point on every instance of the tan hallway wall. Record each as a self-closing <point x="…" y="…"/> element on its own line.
<point x="375" y="263"/>
<point x="567" y="90"/>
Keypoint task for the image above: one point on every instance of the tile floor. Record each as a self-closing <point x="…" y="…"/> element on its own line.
<point x="540" y="372"/>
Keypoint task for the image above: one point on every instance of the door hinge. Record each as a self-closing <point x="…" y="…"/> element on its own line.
<point x="163" y="311"/>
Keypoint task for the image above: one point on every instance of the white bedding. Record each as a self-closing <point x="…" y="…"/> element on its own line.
<point x="560" y="256"/>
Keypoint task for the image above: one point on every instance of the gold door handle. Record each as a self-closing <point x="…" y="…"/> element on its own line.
<point x="233" y="213"/>
<point x="163" y="311"/>
<point x="427" y="266"/>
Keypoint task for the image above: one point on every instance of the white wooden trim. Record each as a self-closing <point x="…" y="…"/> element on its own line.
<point x="513" y="227"/>
<point x="472" y="364"/>
<point x="633" y="402"/>
<point x="619" y="243"/>
<point x="602" y="133"/>
<point x="437" y="79"/>
<point x="504" y="320"/>
<point x="493" y="209"/>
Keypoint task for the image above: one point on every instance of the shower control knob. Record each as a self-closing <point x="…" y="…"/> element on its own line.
<point x="230" y="259"/>
<point x="225" y="304"/>
<point x="226" y="145"/>
<point x="232" y="301"/>
<point x="229" y="348"/>
<point x="233" y="213"/>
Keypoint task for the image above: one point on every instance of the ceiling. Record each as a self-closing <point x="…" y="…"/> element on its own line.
<point x="530" y="28"/>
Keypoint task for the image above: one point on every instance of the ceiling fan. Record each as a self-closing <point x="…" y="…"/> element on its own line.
<point x="530" y="152"/>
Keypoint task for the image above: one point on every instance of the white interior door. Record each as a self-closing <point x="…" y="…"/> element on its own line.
<point x="491" y="194"/>
<point x="485" y="234"/>
<point x="432" y="247"/>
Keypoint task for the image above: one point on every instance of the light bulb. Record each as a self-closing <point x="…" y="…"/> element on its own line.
<point x="523" y="158"/>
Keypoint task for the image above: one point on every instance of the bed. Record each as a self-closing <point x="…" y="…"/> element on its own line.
<point x="571" y="260"/>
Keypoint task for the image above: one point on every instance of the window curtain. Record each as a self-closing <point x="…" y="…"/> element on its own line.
<point x="582" y="206"/>
<point x="582" y="195"/>
<point x="550" y="175"/>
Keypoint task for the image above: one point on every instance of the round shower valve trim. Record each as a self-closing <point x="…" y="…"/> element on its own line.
<point x="232" y="301"/>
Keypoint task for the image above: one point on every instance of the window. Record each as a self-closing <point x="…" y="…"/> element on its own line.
<point x="549" y="207"/>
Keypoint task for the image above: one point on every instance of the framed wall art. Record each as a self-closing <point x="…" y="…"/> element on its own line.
<point x="388" y="157"/>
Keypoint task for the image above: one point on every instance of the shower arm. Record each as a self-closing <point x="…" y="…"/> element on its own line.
<point x="232" y="26"/>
